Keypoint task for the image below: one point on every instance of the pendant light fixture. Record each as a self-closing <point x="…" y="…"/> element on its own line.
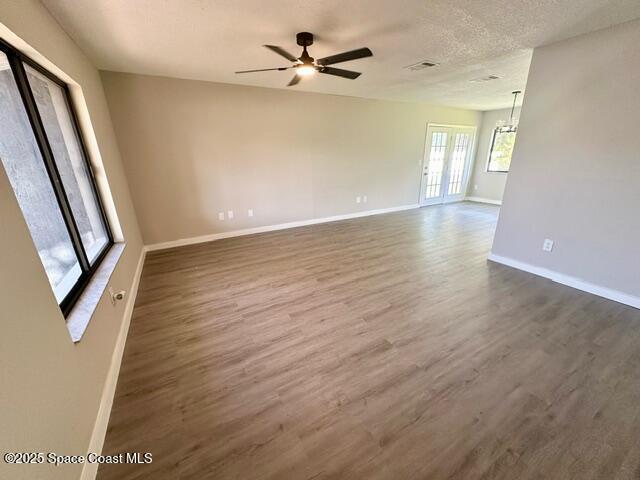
<point x="511" y="126"/>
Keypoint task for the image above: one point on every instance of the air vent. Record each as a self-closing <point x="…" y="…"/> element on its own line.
<point x="488" y="78"/>
<point x="422" y="65"/>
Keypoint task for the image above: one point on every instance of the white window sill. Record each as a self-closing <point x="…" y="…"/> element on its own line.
<point x="80" y="316"/>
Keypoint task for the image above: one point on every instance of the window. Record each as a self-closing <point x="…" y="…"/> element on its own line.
<point x="45" y="160"/>
<point x="501" y="149"/>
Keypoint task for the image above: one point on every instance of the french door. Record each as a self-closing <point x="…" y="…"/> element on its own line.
<point x="445" y="171"/>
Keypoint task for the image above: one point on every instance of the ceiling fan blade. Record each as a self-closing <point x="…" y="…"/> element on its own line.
<point x="264" y="70"/>
<point x="294" y="81"/>
<point x="340" y="72"/>
<point x="345" y="56"/>
<point x="281" y="52"/>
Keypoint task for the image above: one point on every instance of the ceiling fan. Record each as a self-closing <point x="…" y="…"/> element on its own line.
<point x="306" y="65"/>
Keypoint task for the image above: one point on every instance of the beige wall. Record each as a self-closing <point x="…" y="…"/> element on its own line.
<point x="192" y="149"/>
<point x="50" y="389"/>
<point x="575" y="174"/>
<point x="483" y="184"/>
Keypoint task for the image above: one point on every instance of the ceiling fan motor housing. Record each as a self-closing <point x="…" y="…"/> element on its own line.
<point x="304" y="39"/>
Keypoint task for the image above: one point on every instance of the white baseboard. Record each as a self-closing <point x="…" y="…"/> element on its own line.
<point x="483" y="200"/>
<point x="570" y="281"/>
<point x="90" y="470"/>
<point x="270" y="228"/>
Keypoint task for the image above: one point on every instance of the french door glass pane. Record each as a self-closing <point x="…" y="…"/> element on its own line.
<point x="458" y="160"/>
<point x="435" y="167"/>
<point x="25" y="169"/>
<point x="56" y="118"/>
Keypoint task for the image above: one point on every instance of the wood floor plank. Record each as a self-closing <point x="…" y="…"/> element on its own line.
<point x="383" y="347"/>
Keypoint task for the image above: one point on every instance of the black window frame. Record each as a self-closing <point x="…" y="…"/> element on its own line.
<point x="17" y="60"/>
<point x="493" y="142"/>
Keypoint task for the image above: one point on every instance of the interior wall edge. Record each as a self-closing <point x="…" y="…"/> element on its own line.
<point x="490" y="201"/>
<point x="568" y="280"/>
<point x="90" y="470"/>
<point x="574" y="177"/>
<point x="270" y="228"/>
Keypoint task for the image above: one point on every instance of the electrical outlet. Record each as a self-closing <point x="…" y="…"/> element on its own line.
<point x="364" y="199"/>
<point x="250" y="212"/>
<point x="116" y="296"/>
<point x="357" y="199"/>
<point x="221" y="216"/>
<point x="475" y="187"/>
<point x="230" y="214"/>
<point x="547" y="245"/>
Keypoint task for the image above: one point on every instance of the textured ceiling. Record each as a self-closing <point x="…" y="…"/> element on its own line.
<point x="210" y="39"/>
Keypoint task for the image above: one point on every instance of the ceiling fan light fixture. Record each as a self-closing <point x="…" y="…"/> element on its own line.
<point x="305" y="65"/>
<point x="305" y="70"/>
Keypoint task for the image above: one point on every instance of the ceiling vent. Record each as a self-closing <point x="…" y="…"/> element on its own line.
<point x="422" y="65"/>
<point x="488" y="78"/>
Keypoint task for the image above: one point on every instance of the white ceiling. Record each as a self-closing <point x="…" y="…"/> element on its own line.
<point x="210" y="39"/>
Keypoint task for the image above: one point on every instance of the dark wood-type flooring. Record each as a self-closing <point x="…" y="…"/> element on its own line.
<point x="384" y="347"/>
